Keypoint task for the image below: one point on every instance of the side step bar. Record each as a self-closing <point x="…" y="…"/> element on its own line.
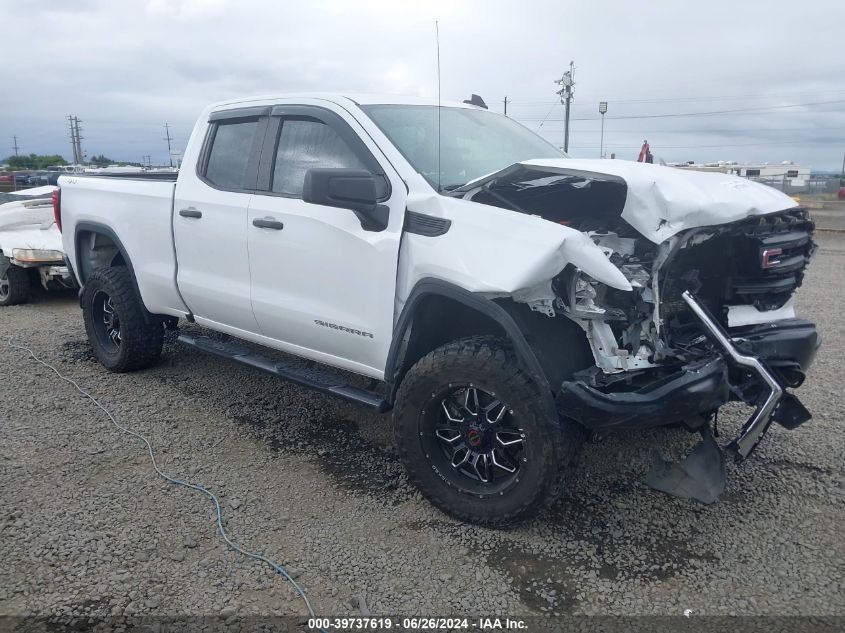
<point x="295" y="370"/>
<point x="757" y="425"/>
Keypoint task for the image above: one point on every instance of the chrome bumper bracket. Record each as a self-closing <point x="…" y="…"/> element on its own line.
<point x="756" y="425"/>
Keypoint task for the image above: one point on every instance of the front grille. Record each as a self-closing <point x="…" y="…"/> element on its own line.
<point x="758" y="261"/>
<point x="769" y="258"/>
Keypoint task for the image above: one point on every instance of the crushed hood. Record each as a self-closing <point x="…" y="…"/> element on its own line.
<point x="657" y="201"/>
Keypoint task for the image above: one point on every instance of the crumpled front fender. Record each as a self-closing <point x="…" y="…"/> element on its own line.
<point x="495" y="251"/>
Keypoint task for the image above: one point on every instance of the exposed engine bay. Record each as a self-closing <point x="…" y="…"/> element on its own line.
<point x="744" y="273"/>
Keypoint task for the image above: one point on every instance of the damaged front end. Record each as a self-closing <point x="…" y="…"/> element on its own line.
<point x="657" y="360"/>
<point x="708" y="318"/>
<point x="675" y="348"/>
<point x="666" y="352"/>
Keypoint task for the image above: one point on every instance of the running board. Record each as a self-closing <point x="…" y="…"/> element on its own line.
<point x="296" y="370"/>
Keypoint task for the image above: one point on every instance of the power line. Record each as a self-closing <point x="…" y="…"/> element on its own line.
<point x="708" y="113"/>
<point x="542" y="102"/>
<point x="544" y="118"/>
<point x="791" y="142"/>
<point x="711" y="131"/>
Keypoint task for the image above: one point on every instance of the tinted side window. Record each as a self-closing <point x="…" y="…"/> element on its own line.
<point x="304" y="144"/>
<point x="229" y="155"/>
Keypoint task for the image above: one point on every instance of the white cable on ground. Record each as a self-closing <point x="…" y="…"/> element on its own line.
<point x="281" y="570"/>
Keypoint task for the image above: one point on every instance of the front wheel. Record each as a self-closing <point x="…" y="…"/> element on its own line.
<point x="122" y="336"/>
<point x="474" y="436"/>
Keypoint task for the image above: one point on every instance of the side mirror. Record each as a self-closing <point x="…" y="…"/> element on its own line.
<point x="353" y="189"/>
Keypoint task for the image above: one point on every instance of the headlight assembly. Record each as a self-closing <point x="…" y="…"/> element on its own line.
<point x="32" y="255"/>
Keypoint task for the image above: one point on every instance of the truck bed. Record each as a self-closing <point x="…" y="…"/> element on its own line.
<point x="136" y="210"/>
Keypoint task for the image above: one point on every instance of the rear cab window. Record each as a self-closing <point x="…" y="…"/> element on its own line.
<point x="229" y="159"/>
<point x="229" y="154"/>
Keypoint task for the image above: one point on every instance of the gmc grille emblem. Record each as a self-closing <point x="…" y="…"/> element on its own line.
<point x="768" y="259"/>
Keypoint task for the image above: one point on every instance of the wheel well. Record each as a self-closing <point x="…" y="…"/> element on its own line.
<point x="556" y="345"/>
<point x="560" y="345"/>
<point x="439" y="320"/>
<point x="95" y="250"/>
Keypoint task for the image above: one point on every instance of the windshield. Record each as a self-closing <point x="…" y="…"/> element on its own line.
<point x="474" y="142"/>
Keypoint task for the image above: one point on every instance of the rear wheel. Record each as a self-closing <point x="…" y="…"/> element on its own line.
<point x="14" y="286"/>
<point x="474" y="435"/>
<point x="122" y="338"/>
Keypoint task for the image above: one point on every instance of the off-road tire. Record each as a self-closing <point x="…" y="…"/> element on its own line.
<point x="491" y="365"/>
<point x="18" y="289"/>
<point x="141" y="338"/>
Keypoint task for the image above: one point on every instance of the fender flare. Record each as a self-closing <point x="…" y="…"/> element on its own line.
<point x="430" y="286"/>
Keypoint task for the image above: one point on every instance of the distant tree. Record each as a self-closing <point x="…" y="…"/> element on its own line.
<point x="34" y="161"/>
<point x="102" y="161"/>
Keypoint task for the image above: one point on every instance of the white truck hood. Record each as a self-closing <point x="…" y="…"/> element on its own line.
<point x="662" y="201"/>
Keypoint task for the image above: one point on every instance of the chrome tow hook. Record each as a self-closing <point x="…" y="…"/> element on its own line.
<point x="756" y="425"/>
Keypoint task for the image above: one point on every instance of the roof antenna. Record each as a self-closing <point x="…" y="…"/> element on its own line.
<point x="439" y="173"/>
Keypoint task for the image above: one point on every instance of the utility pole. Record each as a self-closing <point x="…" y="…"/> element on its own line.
<point x="73" y="139"/>
<point x="168" y="139"/>
<point x="79" y="151"/>
<point x="567" y="81"/>
<point x="506" y="106"/>
<point x="842" y="175"/>
<point x="16" y="145"/>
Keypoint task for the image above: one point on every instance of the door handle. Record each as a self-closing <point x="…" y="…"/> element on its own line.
<point x="268" y="223"/>
<point x="190" y="212"/>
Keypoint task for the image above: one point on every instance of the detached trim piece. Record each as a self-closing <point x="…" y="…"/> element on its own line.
<point x="428" y="225"/>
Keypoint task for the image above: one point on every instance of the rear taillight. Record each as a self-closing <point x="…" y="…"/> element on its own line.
<point x="57" y="207"/>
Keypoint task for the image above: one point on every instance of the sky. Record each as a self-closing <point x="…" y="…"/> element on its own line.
<point x="669" y="70"/>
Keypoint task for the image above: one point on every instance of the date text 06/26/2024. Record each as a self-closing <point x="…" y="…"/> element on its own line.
<point x="418" y="624"/>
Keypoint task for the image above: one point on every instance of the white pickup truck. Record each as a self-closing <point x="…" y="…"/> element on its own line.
<point x="503" y="296"/>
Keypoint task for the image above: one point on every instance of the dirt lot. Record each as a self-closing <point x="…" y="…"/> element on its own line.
<point x="88" y="528"/>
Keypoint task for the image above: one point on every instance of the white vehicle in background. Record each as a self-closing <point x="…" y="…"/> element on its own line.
<point x="30" y="247"/>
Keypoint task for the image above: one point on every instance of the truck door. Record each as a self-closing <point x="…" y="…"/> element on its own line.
<point x="322" y="286"/>
<point x="210" y="220"/>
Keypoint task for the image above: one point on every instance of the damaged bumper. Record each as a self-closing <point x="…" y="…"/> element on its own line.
<point x="697" y="388"/>
<point x="774" y="356"/>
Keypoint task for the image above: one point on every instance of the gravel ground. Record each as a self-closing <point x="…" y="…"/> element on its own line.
<point x="88" y="529"/>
